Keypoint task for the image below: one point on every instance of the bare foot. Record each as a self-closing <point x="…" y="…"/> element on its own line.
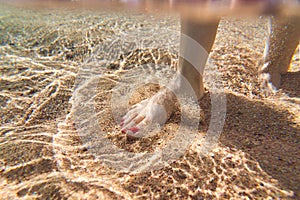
<point x="270" y="81"/>
<point x="149" y="114"/>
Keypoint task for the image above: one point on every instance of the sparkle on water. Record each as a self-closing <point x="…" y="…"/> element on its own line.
<point x="42" y="155"/>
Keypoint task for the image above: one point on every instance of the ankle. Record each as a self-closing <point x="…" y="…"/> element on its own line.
<point x="188" y="86"/>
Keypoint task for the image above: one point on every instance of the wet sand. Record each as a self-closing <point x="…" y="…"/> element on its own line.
<point x="42" y="155"/>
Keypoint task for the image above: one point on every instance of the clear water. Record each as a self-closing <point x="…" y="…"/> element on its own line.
<point x="55" y="61"/>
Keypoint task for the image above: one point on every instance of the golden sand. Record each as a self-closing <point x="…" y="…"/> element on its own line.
<point x="43" y="157"/>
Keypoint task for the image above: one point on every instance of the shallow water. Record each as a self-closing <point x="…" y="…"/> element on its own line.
<point x="54" y="61"/>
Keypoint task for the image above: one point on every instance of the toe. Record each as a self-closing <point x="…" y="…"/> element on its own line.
<point x="133" y="115"/>
<point x="133" y="122"/>
<point x="134" y="129"/>
<point x="123" y="131"/>
<point x="129" y="118"/>
<point x="135" y="125"/>
<point x="122" y="122"/>
<point x="138" y="119"/>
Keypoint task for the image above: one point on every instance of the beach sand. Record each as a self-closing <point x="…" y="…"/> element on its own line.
<point x="45" y="56"/>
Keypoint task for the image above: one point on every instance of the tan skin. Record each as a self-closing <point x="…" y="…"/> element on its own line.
<point x="282" y="43"/>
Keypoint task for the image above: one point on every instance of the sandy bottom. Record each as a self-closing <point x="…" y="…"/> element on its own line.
<point x="46" y="138"/>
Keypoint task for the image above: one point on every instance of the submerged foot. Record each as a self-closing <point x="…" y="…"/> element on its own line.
<point x="270" y="78"/>
<point x="148" y="115"/>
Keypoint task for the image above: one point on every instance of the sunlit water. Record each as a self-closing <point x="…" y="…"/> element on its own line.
<point x="48" y="54"/>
